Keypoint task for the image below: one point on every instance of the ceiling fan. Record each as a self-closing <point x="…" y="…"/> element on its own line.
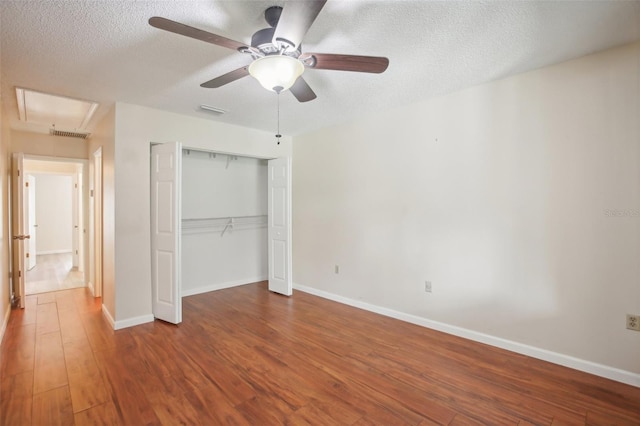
<point x="277" y="58"/>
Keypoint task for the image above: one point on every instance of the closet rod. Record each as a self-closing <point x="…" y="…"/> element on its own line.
<point x="223" y="217"/>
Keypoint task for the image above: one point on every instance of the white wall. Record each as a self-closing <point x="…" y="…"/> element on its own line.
<point x="136" y="128"/>
<point x="48" y="145"/>
<point x="54" y="213"/>
<point x="218" y="187"/>
<point x="500" y="195"/>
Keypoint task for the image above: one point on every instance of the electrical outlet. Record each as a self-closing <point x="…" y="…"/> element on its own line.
<point x="633" y="322"/>
<point x="427" y="286"/>
<point x="337" y="269"/>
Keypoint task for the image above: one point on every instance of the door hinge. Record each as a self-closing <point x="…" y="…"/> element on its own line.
<point x="91" y="193"/>
<point x="76" y="186"/>
<point x="18" y="172"/>
<point x="19" y="274"/>
<point x="27" y="255"/>
<point x="26" y="184"/>
<point x="76" y="251"/>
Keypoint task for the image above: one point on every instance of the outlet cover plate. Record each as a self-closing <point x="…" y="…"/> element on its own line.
<point x="633" y="322"/>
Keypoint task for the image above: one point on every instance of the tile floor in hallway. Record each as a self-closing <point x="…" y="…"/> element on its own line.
<point x="53" y="272"/>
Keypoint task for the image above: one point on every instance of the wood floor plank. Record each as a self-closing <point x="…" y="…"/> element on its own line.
<point x="337" y="392"/>
<point x="265" y="410"/>
<point x="213" y="407"/>
<point x="16" y="398"/>
<point x="85" y="381"/>
<point x="50" y="369"/>
<point x="18" y="350"/>
<point x="20" y="317"/>
<point x="53" y="407"/>
<point x="47" y="318"/>
<point x="101" y="336"/>
<point x="220" y="373"/>
<point x="100" y="415"/>
<point x="46" y="298"/>
<point x="316" y="414"/>
<point x="65" y="301"/>
<point x="609" y="418"/>
<point x="118" y="372"/>
<point x="167" y="401"/>
<point x="462" y="420"/>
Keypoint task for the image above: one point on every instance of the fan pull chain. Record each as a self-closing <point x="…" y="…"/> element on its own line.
<point x="278" y="135"/>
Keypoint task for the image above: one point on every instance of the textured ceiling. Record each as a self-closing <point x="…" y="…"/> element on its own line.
<point x="105" y="51"/>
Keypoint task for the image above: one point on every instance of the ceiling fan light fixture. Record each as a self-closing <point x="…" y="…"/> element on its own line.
<point x="276" y="72"/>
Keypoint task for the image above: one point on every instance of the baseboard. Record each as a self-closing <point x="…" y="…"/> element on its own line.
<point x="5" y="322"/>
<point x="53" y="252"/>
<point x="130" y="322"/>
<point x="601" y="370"/>
<point x="213" y="287"/>
<point x="108" y="316"/>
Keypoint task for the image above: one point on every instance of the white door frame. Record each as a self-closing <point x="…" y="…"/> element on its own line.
<point x="17" y="227"/>
<point x="96" y="223"/>
<point x="81" y="165"/>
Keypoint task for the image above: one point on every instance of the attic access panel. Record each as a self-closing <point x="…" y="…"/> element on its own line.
<point x="60" y="112"/>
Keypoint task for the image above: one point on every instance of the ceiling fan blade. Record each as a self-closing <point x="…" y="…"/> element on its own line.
<point x="295" y="21"/>
<point x="302" y="91"/>
<point x="186" y="30"/>
<point x="226" y="78"/>
<point x="330" y="61"/>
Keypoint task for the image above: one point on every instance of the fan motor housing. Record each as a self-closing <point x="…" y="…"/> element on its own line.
<point x="263" y="41"/>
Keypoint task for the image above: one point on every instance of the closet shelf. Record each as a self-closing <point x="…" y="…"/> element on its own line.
<point x="223" y="224"/>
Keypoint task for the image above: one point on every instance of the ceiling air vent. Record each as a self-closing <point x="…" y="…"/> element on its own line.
<point x="81" y="135"/>
<point x="212" y="110"/>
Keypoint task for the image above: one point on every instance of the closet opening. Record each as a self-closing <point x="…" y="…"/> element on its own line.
<point x="218" y="220"/>
<point x="224" y="221"/>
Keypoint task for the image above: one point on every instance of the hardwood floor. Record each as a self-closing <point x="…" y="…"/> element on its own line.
<point x="250" y="357"/>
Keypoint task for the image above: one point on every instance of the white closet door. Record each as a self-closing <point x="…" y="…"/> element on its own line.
<point x="165" y="231"/>
<point x="279" y="231"/>
<point x="18" y="225"/>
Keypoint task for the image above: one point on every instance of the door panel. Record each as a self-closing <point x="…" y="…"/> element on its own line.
<point x="75" y="236"/>
<point x="31" y="225"/>
<point x="279" y="231"/>
<point x="18" y="226"/>
<point x="165" y="231"/>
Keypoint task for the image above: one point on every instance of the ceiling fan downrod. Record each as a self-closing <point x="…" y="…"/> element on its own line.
<point x="278" y="135"/>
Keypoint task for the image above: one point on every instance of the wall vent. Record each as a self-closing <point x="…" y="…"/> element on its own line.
<point x="81" y="135"/>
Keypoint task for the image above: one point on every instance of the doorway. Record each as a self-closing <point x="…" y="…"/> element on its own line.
<point x="54" y="205"/>
<point x="49" y="232"/>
